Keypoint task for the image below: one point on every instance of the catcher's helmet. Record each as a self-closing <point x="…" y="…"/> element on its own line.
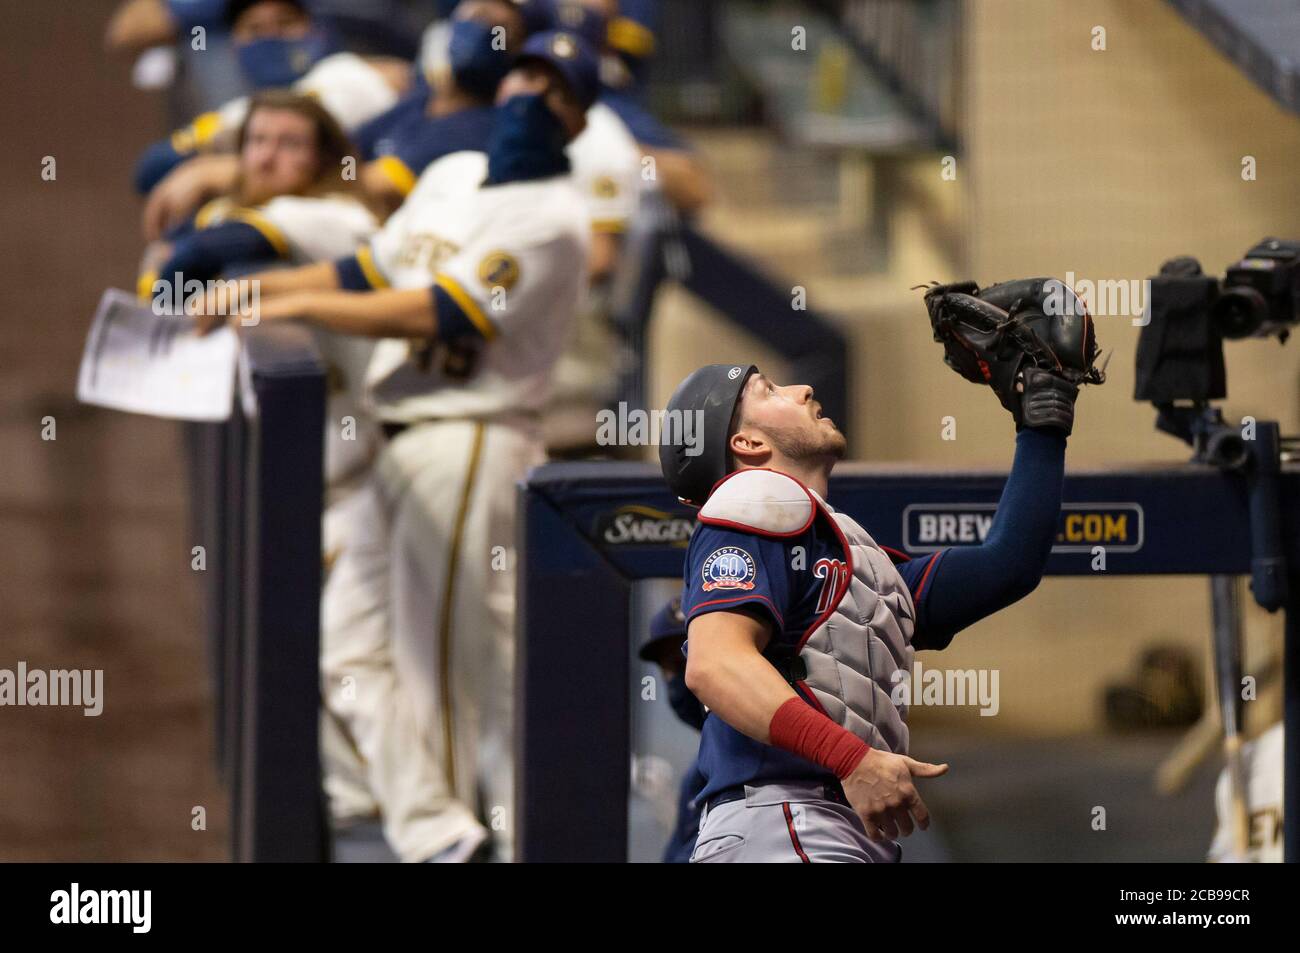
<point x="692" y="468"/>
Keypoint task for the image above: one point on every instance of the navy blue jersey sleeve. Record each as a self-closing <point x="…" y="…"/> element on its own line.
<point x="918" y="573"/>
<point x="204" y="255"/>
<point x="466" y="130"/>
<point x="968" y="583"/>
<point x="370" y="134"/>
<point x="191" y="13"/>
<point x="728" y="569"/>
<point x="154" y="163"/>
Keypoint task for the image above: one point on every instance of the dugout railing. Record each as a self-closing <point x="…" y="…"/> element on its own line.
<point x="257" y="486"/>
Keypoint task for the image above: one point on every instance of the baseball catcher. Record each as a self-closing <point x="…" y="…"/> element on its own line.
<point x="799" y="625"/>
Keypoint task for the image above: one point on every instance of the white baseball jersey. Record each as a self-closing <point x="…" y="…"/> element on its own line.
<point x="512" y="256"/>
<point x="1263" y="758"/>
<point x="304" y="229"/>
<point x="301" y="228"/>
<point x="607" y="169"/>
<point x="352" y="437"/>
<point x="349" y="88"/>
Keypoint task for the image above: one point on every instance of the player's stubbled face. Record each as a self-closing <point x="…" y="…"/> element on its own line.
<point x="271" y="19"/>
<point x="280" y="156"/>
<point x="791" y="418"/>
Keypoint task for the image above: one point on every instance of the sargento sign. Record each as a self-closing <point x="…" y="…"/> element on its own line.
<point x="1118" y="527"/>
<point x="638" y="525"/>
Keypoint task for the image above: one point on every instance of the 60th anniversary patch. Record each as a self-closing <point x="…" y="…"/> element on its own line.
<point x="728" y="568"/>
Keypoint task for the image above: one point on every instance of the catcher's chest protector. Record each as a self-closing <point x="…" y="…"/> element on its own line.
<point x="859" y="647"/>
<point x="858" y="653"/>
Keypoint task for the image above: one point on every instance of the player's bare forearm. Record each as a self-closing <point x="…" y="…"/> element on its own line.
<point x="137" y="25"/>
<point x="275" y="288"/>
<point x="726" y="670"/>
<point x="390" y="313"/>
<point x="684" y="180"/>
<point x="318" y="276"/>
<point x="185" y="188"/>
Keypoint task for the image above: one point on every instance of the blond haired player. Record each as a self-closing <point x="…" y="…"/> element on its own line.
<point x="290" y="204"/>
<point x="279" y="46"/>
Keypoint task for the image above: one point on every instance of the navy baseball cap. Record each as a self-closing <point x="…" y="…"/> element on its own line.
<point x="236" y="8"/>
<point x="588" y="23"/>
<point x="667" y="623"/>
<point x="538" y="15"/>
<point x="571" y="56"/>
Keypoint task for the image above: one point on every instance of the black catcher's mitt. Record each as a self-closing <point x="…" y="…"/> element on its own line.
<point x="1032" y="341"/>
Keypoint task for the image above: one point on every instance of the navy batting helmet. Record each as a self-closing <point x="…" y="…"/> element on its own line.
<point x="709" y="396"/>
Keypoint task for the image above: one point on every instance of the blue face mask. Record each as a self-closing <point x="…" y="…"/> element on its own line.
<point x="275" y="62"/>
<point x="527" y="142"/>
<point x="476" y="67"/>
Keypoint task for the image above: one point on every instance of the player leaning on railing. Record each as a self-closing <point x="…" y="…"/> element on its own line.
<point x="474" y="283"/>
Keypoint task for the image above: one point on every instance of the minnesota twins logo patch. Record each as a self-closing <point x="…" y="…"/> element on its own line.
<point x="728" y="568"/>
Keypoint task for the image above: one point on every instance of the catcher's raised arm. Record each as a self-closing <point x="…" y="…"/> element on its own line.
<point x="1033" y="342"/>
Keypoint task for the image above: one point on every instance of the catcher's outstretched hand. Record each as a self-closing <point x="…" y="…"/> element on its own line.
<point x="1032" y="341"/>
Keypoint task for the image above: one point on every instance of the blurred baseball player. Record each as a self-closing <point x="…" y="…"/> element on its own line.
<point x="289" y="203"/>
<point x="279" y="45"/>
<point x="463" y="65"/>
<point x="800" y="625"/>
<point x="664" y="648"/>
<point x="450" y="108"/>
<point x="1263" y="759"/>
<point x="473" y="284"/>
<point x="622" y="40"/>
<point x="612" y="163"/>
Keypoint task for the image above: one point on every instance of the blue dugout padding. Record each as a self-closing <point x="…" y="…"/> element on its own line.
<point x="590" y="530"/>
<point x="258" y="483"/>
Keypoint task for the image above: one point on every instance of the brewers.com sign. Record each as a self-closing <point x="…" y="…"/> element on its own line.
<point x="1080" y="527"/>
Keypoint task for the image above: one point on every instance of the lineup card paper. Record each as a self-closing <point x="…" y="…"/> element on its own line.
<point x="156" y="364"/>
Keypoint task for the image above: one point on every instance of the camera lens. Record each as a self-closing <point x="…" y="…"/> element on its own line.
<point x="1225" y="448"/>
<point x="1240" y="312"/>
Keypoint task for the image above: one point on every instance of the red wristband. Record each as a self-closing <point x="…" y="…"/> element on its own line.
<point x="798" y="728"/>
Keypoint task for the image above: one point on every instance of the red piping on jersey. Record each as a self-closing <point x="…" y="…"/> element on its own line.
<point x="752" y="595"/>
<point x="810" y="698"/>
<point x="794" y="837"/>
<point x="848" y="577"/>
<point x="730" y="524"/>
<point x="897" y="555"/>
<point x="925" y="576"/>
